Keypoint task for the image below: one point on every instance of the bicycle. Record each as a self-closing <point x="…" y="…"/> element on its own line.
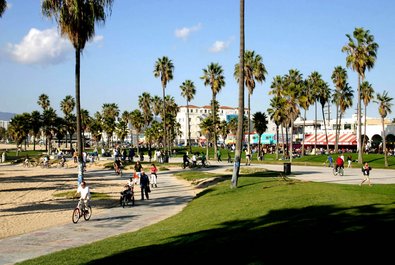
<point x="81" y="210"/>
<point x="62" y="165"/>
<point x="339" y="171"/>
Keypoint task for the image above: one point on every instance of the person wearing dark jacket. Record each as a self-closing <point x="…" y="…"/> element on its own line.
<point x="144" y="185"/>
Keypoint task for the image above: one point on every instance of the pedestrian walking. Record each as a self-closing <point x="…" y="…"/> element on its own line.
<point x="366" y="172"/>
<point x="144" y="185"/>
<point x="154" y="177"/>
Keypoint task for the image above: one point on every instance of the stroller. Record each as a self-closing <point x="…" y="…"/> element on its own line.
<point x="127" y="196"/>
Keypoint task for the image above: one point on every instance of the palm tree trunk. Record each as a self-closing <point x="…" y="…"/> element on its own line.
<point x="249" y="124"/>
<point x="291" y="141"/>
<point x="384" y="143"/>
<point x="214" y="128"/>
<point x="282" y="139"/>
<point x="277" y="142"/>
<point x="364" y="133"/>
<point x="189" y="129"/>
<point x="164" y="124"/>
<point x="359" y="121"/>
<point x="326" y="132"/>
<point x="304" y="125"/>
<point x="78" y="113"/>
<point x="315" y="128"/>
<point x="337" y="129"/>
<point x="240" y="120"/>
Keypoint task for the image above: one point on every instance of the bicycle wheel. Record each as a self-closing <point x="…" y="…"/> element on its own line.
<point x="87" y="213"/>
<point x="341" y="171"/>
<point x="76" y="215"/>
<point x="124" y="201"/>
<point x="334" y="171"/>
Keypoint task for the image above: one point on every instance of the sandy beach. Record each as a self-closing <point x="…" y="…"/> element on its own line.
<point x="27" y="201"/>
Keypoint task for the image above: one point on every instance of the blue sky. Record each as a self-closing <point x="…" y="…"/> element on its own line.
<point x="117" y="66"/>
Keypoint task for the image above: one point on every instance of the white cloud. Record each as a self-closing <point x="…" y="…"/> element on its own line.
<point x="183" y="33"/>
<point x="218" y="46"/>
<point x="98" y="38"/>
<point x="41" y="47"/>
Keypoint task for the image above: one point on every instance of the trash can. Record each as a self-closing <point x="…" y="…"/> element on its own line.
<point x="287" y="168"/>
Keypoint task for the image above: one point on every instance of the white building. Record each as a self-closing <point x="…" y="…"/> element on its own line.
<point x="196" y="115"/>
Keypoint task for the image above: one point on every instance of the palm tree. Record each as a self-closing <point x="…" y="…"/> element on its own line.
<point x="260" y="125"/>
<point x="164" y="69"/>
<point x="67" y="106"/>
<point x="361" y="55"/>
<point x="156" y="104"/>
<point x="206" y="129"/>
<point x="324" y="95"/>
<point x="344" y="99"/>
<point x="276" y="114"/>
<point x="43" y="101"/>
<point x="236" y="168"/>
<point x="367" y="95"/>
<point x="76" y="20"/>
<point x="294" y="85"/>
<point x="3" y="6"/>
<point x="35" y="125"/>
<point x="339" y="78"/>
<point x="385" y="106"/>
<point x="110" y="112"/>
<point x="254" y="69"/>
<point x="188" y="91"/>
<point x="137" y="121"/>
<point x="213" y="76"/>
<point x="145" y="105"/>
<point x="305" y="100"/>
<point x="314" y="80"/>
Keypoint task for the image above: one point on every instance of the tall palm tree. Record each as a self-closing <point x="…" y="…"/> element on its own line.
<point x="236" y="168"/>
<point x="145" y="105"/>
<point x="314" y="80"/>
<point x="43" y="101"/>
<point x="3" y="6"/>
<point x="206" y="129"/>
<point x="367" y="95"/>
<point x="213" y="76"/>
<point x="294" y="85"/>
<point x="35" y="125"/>
<point x="276" y="113"/>
<point x="164" y="69"/>
<point x="110" y="112"/>
<point x="324" y="95"/>
<point x="137" y="121"/>
<point x="188" y="91"/>
<point x="305" y="100"/>
<point x="67" y="106"/>
<point x="76" y="20"/>
<point x="339" y="79"/>
<point x="344" y="98"/>
<point x="361" y="55"/>
<point x="260" y="125"/>
<point x="385" y="106"/>
<point x="254" y="70"/>
<point x="156" y="103"/>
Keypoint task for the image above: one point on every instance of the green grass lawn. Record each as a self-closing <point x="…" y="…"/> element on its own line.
<point x="266" y="220"/>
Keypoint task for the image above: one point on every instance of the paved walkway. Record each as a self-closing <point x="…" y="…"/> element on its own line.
<point x="169" y="198"/>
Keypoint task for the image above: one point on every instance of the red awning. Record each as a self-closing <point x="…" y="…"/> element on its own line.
<point x="344" y="139"/>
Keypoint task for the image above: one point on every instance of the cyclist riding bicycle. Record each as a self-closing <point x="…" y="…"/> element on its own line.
<point x="339" y="163"/>
<point x="85" y="196"/>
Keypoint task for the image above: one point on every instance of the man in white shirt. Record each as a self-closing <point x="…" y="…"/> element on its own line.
<point x="83" y="189"/>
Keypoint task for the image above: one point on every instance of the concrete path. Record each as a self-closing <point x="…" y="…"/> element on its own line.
<point x="169" y="198"/>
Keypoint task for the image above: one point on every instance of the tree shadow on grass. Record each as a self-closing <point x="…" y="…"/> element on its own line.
<point x="312" y="235"/>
